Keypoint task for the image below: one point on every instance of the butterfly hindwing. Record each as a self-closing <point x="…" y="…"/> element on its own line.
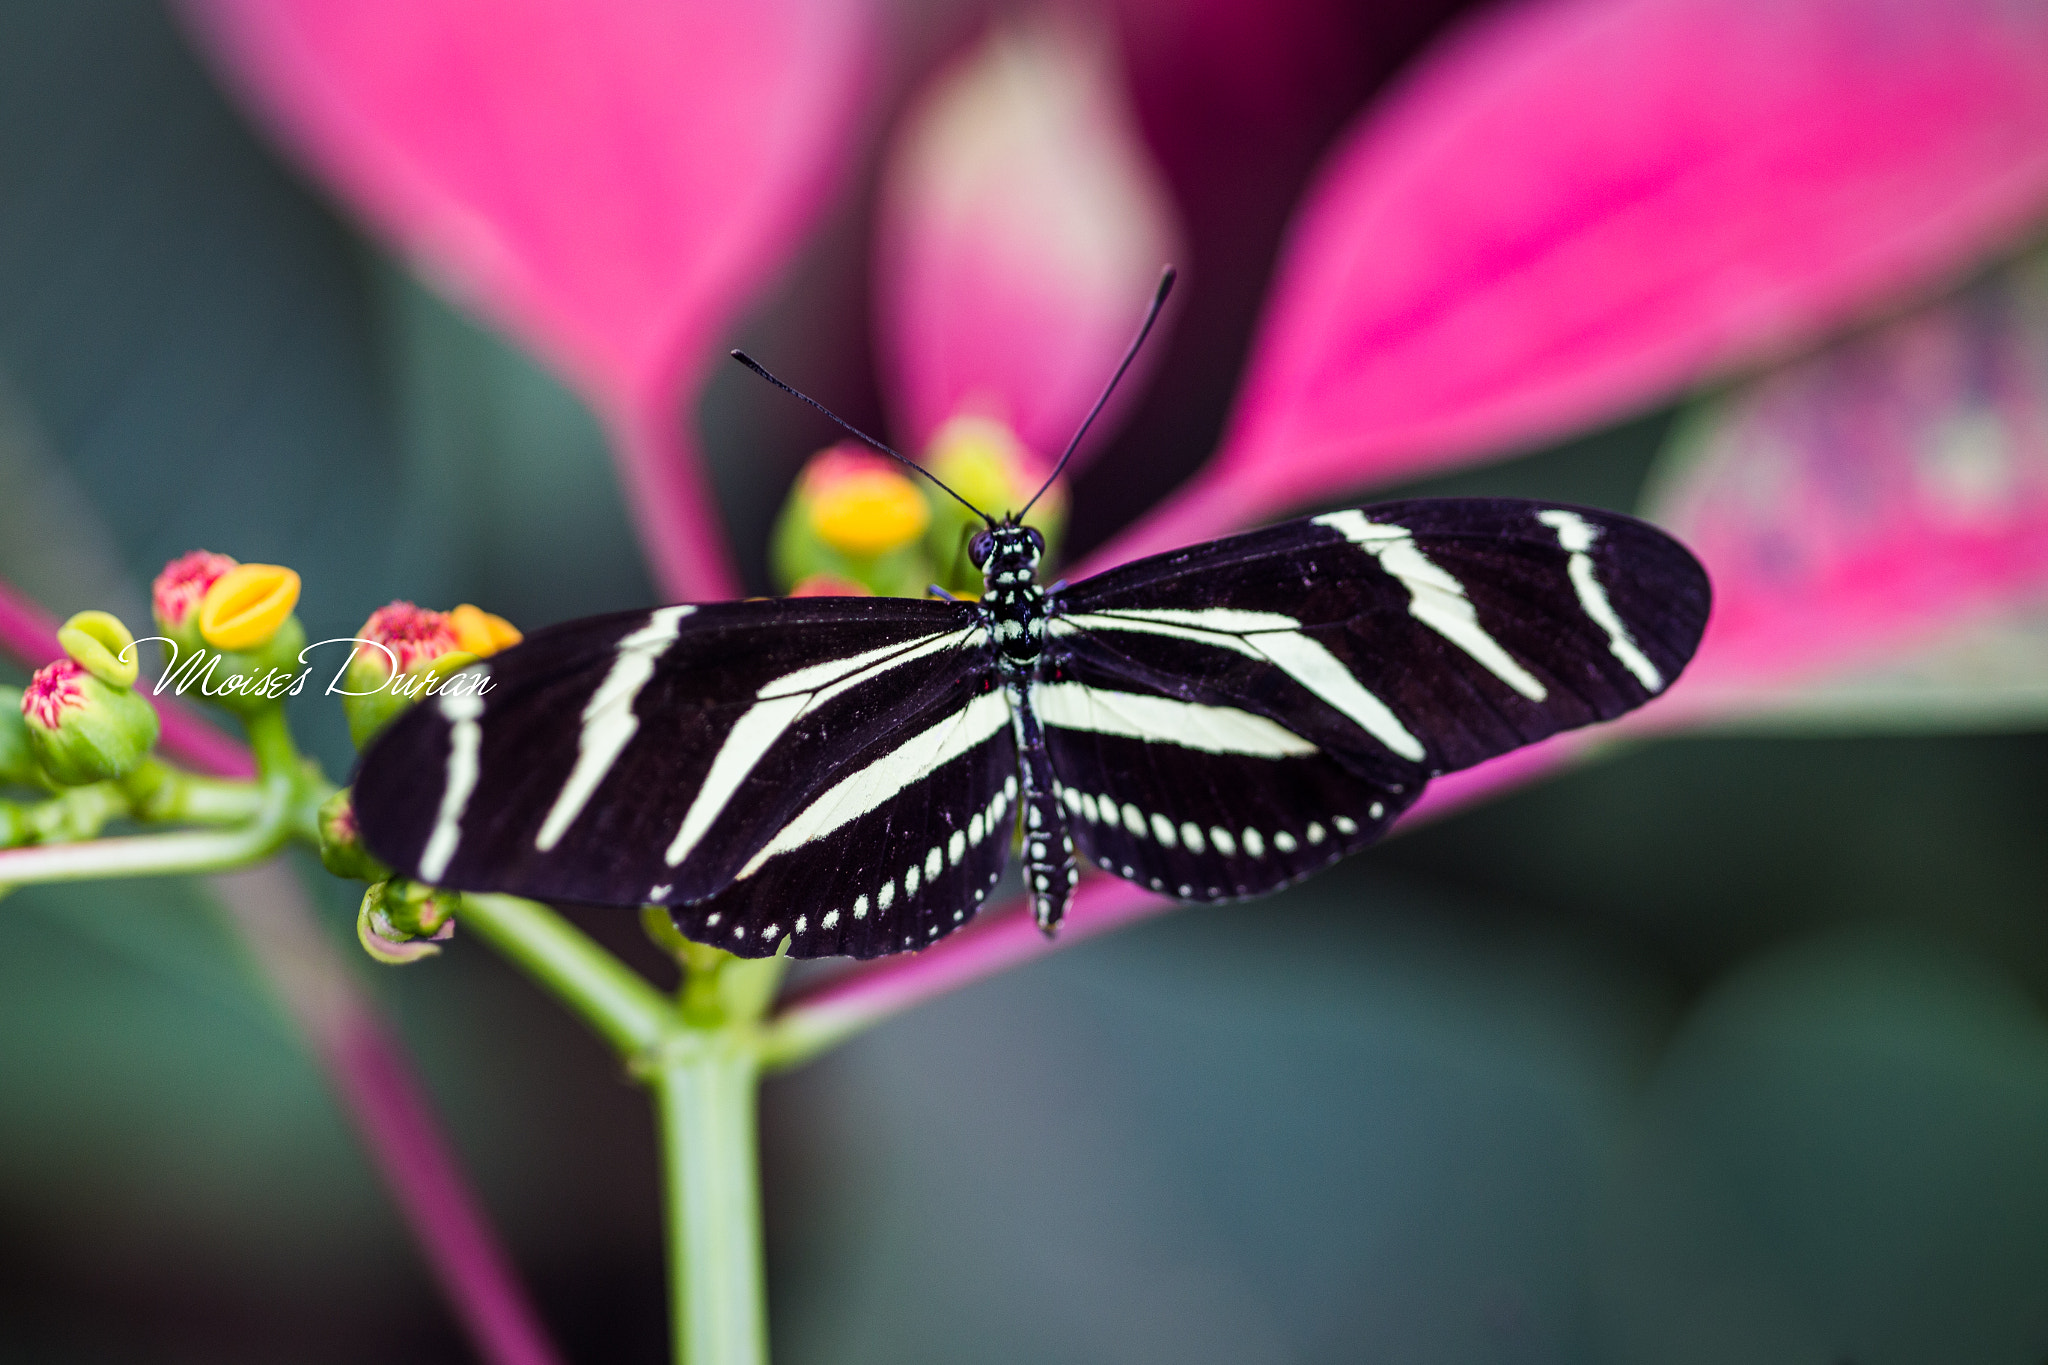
<point x="649" y="757"/>
<point x="1233" y="805"/>
<point x="859" y="877"/>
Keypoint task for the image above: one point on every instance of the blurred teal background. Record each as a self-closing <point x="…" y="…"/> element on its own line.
<point x="1725" y="1050"/>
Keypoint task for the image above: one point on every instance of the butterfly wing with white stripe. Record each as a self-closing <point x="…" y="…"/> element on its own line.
<point x="1393" y="642"/>
<point x="1233" y="805"/>
<point x="900" y="873"/>
<point x="663" y="757"/>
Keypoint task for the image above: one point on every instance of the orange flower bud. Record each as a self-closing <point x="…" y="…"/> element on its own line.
<point x="480" y="633"/>
<point x="829" y="585"/>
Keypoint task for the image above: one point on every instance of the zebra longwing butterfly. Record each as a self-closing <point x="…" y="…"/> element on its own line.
<point x="849" y="774"/>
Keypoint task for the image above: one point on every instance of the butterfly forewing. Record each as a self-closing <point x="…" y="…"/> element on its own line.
<point x="650" y="757"/>
<point x="1231" y="717"/>
<point x="1406" y="639"/>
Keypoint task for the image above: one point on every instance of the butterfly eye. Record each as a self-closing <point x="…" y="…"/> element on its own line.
<point x="978" y="548"/>
<point x="1037" y="540"/>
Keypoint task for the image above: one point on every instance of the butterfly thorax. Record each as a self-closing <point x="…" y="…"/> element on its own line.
<point x="1012" y="602"/>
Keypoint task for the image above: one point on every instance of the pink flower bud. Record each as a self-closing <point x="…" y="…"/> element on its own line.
<point x="180" y="588"/>
<point x="341" y="842"/>
<point x="413" y="635"/>
<point x="54" y="692"/>
<point x="403" y="644"/>
<point x="83" y="730"/>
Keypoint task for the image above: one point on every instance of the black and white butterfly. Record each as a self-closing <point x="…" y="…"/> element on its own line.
<point x="1213" y="723"/>
<point x="849" y="775"/>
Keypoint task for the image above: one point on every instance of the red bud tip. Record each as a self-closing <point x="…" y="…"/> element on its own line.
<point x="53" y="691"/>
<point x="836" y="464"/>
<point x="413" y="634"/>
<point x="182" y="585"/>
<point x="826" y="585"/>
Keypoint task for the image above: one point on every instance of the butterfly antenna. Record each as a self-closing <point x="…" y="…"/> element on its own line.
<point x="1166" y="279"/>
<point x="761" y="370"/>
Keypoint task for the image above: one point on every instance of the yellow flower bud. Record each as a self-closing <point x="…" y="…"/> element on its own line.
<point x="102" y="646"/>
<point x="866" y="510"/>
<point x="480" y="633"/>
<point x="246" y="606"/>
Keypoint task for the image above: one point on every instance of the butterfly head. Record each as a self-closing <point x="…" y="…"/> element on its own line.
<point x="1007" y="555"/>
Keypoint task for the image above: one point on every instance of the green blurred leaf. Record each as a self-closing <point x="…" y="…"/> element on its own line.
<point x="1839" y="1160"/>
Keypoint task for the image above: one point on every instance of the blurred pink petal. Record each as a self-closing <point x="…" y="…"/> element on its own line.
<point x="1209" y="71"/>
<point x="1576" y="207"/>
<point x="1873" y="500"/>
<point x="609" y="182"/>
<point x="1023" y="229"/>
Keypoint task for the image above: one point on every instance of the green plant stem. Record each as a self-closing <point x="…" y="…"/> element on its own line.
<point x="73" y="813"/>
<point x="704" y="1087"/>
<point x="700" y="1052"/>
<point x="277" y="755"/>
<point x="156" y="855"/>
<point x="270" y="739"/>
<point x="199" y="800"/>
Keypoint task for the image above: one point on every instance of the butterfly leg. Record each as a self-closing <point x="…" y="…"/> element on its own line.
<point x="1049" y="870"/>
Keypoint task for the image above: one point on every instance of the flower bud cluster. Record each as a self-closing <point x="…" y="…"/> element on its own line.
<point x="79" y="737"/>
<point x="231" y="635"/>
<point x="402" y="921"/>
<point x="858" y="523"/>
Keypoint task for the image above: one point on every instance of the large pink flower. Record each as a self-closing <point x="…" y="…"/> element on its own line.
<point x="610" y="183"/>
<point x="1571" y="210"/>
<point x="1565" y="212"/>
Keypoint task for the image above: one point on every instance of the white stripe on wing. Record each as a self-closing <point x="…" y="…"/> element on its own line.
<point x="608" y="720"/>
<point x="1164" y="720"/>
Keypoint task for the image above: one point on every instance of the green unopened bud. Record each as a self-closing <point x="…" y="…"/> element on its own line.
<point x="401" y="921"/>
<point x="18" y="766"/>
<point x="853" y="517"/>
<point x="14" y="828"/>
<point x="341" y="842"/>
<point x="102" y="645"/>
<point x="83" y="730"/>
